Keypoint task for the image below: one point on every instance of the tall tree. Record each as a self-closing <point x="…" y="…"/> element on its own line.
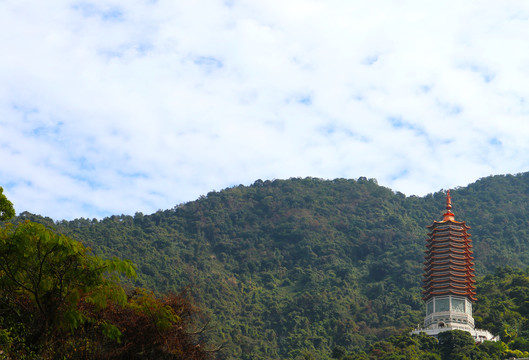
<point x="7" y="210"/>
<point x="455" y="344"/>
<point x="44" y="276"/>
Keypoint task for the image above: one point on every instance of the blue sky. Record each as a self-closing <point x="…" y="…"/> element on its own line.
<point x="115" y="107"/>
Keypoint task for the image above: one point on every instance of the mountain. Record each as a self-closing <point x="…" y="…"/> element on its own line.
<point x="296" y="268"/>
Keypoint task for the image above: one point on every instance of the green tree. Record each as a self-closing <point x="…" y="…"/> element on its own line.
<point x="7" y="210"/>
<point x="455" y="344"/>
<point x="44" y="277"/>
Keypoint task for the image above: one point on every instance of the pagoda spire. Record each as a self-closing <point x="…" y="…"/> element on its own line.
<point x="449" y="215"/>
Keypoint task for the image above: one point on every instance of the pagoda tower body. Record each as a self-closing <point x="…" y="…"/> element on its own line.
<point x="448" y="280"/>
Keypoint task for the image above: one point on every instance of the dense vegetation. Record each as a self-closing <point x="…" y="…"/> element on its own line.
<point x="59" y="301"/>
<point x="307" y="268"/>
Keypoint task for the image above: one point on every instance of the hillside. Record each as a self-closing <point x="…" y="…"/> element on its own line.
<point x="296" y="268"/>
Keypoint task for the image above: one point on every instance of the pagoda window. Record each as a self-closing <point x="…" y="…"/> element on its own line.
<point x="429" y="307"/>
<point x="442" y="305"/>
<point x="469" y="308"/>
<point x="458" y="305"/>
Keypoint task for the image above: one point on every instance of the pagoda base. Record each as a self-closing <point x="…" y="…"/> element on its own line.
<point x="479" y="335"/>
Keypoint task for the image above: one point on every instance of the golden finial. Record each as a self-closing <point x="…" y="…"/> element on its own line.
<point x="448" y="215"/>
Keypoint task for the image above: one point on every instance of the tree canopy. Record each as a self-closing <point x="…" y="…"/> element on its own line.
<point x="7" y="211"/>
<point x="58" y="300"/>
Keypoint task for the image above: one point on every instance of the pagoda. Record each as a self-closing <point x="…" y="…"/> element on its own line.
<point x="448" y="279"/>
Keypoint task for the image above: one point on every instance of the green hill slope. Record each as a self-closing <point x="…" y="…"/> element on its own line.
<point x="294" y="268"/>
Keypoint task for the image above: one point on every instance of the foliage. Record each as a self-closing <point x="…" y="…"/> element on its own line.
<point x="147" y="327"/>
<point x="7" y="211"/>
<point x="47" y="274"/>
<point x="292" y="269"/>
<point x="57" y="300"/>
<point x="405" y="346"/>
<point x="503" y="307"/>
<point x="452" y="345"/>
<point x="456" y="344"/>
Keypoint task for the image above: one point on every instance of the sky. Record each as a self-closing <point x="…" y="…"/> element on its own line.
<point x="125" y="106"/>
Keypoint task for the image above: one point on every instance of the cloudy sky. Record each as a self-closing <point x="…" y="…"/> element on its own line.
<point x="115" y="107"/>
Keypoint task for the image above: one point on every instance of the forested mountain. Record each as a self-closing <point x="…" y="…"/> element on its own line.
<point x="297" y="268"/>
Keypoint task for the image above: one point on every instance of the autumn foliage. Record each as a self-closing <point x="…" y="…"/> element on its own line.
<point x="153" y="328"/>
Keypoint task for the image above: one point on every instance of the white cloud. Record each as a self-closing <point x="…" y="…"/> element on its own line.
<point x="123" y="106"/>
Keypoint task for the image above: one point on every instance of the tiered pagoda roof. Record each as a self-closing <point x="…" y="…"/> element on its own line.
<point x="449" y="266"/>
